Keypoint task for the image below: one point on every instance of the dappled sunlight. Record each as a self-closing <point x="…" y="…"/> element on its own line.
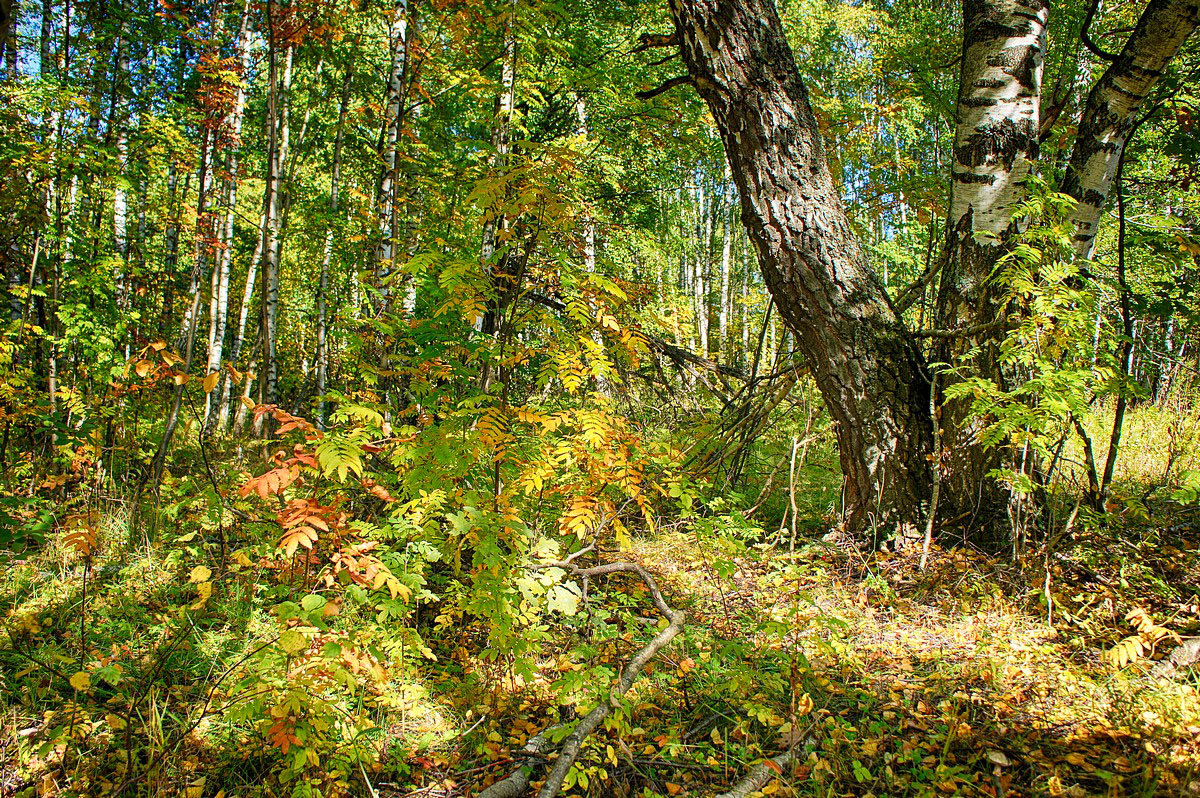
<point x="951" y="680"/>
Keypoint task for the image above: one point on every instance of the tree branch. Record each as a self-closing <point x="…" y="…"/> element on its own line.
<point x="678" y="80"/>
<point x="908" y="296"/>
<point x="963" y="332"/>
<point x="516" y="783"/>
<point x="1086" y="37"/>
<point x="649" y="40"/>
<point x="676" y="354"/>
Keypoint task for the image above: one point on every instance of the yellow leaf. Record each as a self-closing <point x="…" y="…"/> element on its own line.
<point x="203" y="593"/>
<point x="115" y="722"/>
<point x="210" y="381"/>
<point x="182" y="379"/>
<point x="248" y="403"/>
<point x="804" y="705"/>
<point x="200" y="574"/>
<point x="81" y="681"/>
<point x="716" y="736"/>
<point x="673" y="789"/>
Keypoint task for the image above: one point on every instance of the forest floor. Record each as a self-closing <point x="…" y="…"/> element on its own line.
<point x="953" y="679"/>
<point x="888" y="681"/>
<point x="895" y="682"/>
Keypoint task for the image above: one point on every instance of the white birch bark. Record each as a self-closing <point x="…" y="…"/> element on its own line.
<point x="394" y="122"/>
<point x="1112" y="109"/>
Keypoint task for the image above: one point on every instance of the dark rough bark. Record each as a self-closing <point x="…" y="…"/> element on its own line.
<point x="868" y="369"/>
<point x="1112" y="109"/>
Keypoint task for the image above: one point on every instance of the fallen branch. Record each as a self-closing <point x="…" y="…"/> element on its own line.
<point x="1183" y="656"/>
<point x="762" y="773"/>
<point x="516" y="783"/>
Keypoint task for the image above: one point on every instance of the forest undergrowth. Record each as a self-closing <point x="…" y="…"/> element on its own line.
<point x="201" y="662"/>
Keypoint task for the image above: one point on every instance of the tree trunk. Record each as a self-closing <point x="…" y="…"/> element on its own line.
<point x="219" y="308"/>
<point x="995" y="148"/>
<point x="496" y="220"/>
<point x="187" y="337"/>
<point x="279" y="106"/>
<point x="723" y="345"/>
<point x="239" y="333"/>
<point x="868" y="369"/>
<point x="393" y="124"/>
<point x="1112" y="107"/>
<point x="322" y="356"/>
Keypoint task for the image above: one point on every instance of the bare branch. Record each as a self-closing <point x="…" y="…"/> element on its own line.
<point x="909" y="295"/>
<point x="676" y="354"/>
<point x="650" y="40"/>
<point x="963" y="332"/>
<point x="1086" y="37"/>
<point x="678" y="80"/>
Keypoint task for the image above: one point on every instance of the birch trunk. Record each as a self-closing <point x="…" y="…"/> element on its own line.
<point x="1112" y="108"/>
<point x="589" y="237"/>
<point x="393" y="125"/>
<point x="279" y="108"/>
<point x="995" y="147"/>
<point x="239" y="335"/>
<point x="120" y="197"/>
<point x="219" y="308"/>
<point x="322" y="355"/>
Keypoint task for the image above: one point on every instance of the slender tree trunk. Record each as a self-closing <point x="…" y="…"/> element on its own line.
<point x="322" y="356"/>
<point x="724" y="346"/>
<point x="1112" y="108"/>
<point x="281" y="80"/>
<point x="393" y="125"/>
<point x="219" y="307"/>
<point x="700" y="282"/>
<point x="239" y="333"/>
<point x="497" y="219"/>
<point x="589" y="236"/>
<point x="868" y="369"/>
<point x="187" y="338"/>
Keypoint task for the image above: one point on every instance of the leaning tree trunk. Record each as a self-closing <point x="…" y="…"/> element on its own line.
<point x="995" y="147"/>
<point x="868" y="369"/>
<point x="1112" y="109"/>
